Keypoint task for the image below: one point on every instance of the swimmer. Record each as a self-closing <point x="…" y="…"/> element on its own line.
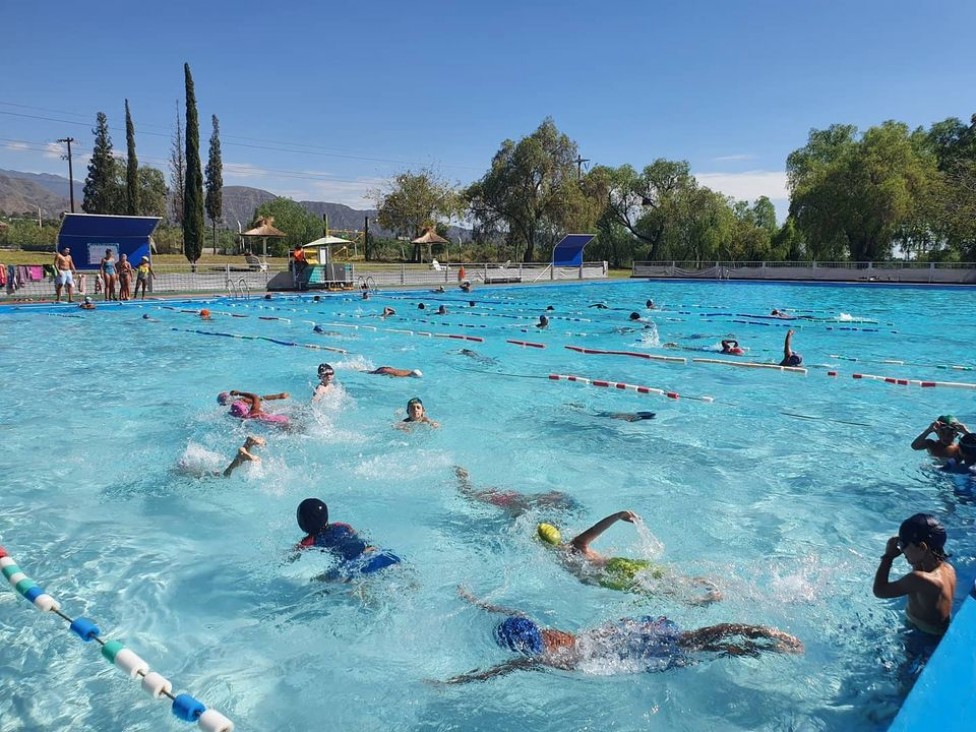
<point x="87" y="304"/>
<point x="355" y="556"/>
<point x="326" y="382"/>
<point x="245" y="404"/>
<point x="245" y="454"/>
<point x="365" y="294"/>
<point x="317" y="298"/>
<point x="416" y="414"/>
<point x="543" y="322"/>
<point x="205" y="314"/>
<point x="646" y="643"/>
<point x="441" y="311"/>
<point x="470" y="303"/>
<point x="322" y="331"/>
<point x="387" y="312"/>
<point x="931" y="584"/>
<point x="615" y="573"/>
<point x="268" y="296"/>
<point x="635" y="316"/>
<point x="627" y="416"/>
<point x="550" y="307"/>
<point x="421" y="306"/>
<point x="790" y="357"/>
<point x="946" y="428"/>
<point x="465" y="286"/>
<point x="649" y="305"/>
<point x="731" y="347"/>
<point x="438" y="289"/>
<point x="148" y="317"/>
<point x="477" y="356"/>
<point x="599" y="306"/>
<point x="512" y="502"/>
<point x="401" y="373"/>
<point x="965" y="462"/>
<point x="779" y="313"/>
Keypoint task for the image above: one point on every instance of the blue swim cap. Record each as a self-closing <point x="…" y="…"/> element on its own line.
<point x="520" y="635"/>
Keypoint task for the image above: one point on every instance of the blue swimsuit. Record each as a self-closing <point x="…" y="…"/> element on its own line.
<point x="356" y="556"/>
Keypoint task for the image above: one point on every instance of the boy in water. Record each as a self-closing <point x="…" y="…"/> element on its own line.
<point x="931" y="584"/>
<point x="645" y="644"/>
<point x="356" y="557"/>
<point x="512" y="502"/>
<point x="790" y="357"/>
<point x="326" y="382"/>
<point x="416" y="414"/>
<point x="946" y="428"/>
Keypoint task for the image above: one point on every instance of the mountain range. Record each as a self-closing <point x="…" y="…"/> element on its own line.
<point x="22" y="194"/>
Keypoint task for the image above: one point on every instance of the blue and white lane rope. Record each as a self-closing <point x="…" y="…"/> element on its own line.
<point x="184" y="706"/>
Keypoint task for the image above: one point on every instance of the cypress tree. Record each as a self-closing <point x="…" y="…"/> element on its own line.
<point x="193" y="192"/>
<point x="100" y="193"/>
<point x="215" y="180"/>
<point x="131" y="166"/>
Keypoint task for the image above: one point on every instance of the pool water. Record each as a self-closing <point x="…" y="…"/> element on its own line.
<point x="781" y="490"/>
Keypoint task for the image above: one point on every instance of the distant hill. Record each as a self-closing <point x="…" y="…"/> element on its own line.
<point x="23" y="193"/>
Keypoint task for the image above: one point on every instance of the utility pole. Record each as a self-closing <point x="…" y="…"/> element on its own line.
<point x="579" y="165"/>
<point x="71" y="175"/>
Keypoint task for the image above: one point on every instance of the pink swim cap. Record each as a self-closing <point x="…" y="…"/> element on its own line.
<point x="240" y="409"/>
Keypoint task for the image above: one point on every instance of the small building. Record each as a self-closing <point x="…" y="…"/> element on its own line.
<point x="89" y="235"/>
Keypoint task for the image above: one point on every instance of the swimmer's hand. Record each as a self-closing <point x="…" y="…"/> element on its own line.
<point x="254" y="441"/>
<point x="891" y="548"/>
<point x="628" y="516"/>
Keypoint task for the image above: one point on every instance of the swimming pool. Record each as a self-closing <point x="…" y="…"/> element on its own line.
<point x="783" y="490"/>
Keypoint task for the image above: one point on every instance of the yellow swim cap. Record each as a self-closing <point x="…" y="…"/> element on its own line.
<point x="550" y="534"/>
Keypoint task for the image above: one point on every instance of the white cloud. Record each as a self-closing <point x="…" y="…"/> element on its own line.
<point x="54" y="150"/>
<point x="733" y="158"/>
<point x="749" y="185"/>
<point x="16" y="146"/>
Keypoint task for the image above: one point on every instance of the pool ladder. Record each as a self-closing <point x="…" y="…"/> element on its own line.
<point x="367" y="283"/>
<point x="240" y="290"/>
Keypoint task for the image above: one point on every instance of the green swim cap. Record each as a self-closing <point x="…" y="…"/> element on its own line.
<point x="947" y="419"/>
<point x="550" y="534"/>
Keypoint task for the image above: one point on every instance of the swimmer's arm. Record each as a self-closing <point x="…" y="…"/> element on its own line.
<point x="787" y="350"/>
<point x="272" y="397"/>
<point x="911" y="583"/>
<point x="920" y="442"/>
<point x="516" y="664"/>
<point x="582" y="542"/>
<point x="465" y="594"/>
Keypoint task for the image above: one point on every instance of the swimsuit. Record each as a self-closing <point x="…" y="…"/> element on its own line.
<point x="652" y="642"/>
<point x="65" y="277"/>
<point x="109" y="268"/>
<point x="356" y="556"/>
<point x="620" y="573"/>
<point x="142" y="272"/>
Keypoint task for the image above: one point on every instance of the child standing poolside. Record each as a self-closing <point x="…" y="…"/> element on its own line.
<point x="931" y="584"/>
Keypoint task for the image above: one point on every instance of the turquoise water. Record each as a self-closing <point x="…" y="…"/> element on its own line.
<point x="782" y="490"/>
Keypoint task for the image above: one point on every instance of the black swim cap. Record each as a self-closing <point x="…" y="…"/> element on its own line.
<point x="923" y="527"/>
<point x="635" y="316"/>
<point x="313" y="515"/>
<point x="318" y="329"/>
<point x="967" y="445"/>
<point x="325" y="368"/>
<point x="421" y="306"/>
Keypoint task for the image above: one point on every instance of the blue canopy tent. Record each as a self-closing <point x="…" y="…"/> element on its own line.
<point x="89" y="235"/>
<point x="569" y="251"/>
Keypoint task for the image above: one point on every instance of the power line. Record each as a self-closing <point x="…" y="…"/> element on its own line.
<point x="71" y="175"/>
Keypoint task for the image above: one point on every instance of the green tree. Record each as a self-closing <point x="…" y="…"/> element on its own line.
<point x="215" y="180"/>
<point x="300" y="225"/>
<point x="177" y="171"/>
<point x="530" y="190"/>
<point x="414" y="203"/>
<point x="131" y="166"/>
<point x="102" y="192"/>
<point x="643" y="203"/>
<point x="152" y="192"/>
<point x="855" y="198"/>
<point x="193" y="191"/>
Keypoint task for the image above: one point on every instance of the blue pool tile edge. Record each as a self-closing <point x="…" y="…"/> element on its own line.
<point x="943" y="698"/>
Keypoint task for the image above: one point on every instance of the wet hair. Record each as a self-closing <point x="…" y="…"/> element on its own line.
<point x="967" y="446"/>
<point x="223" y="397"/>
<point x="268" y="296"/>
<point x="316" y="298"/>
<point x="421" y="306"/>
<point x="312" y="515"/>
<point x="924" y="527"/>
<point x="635" y="316"/>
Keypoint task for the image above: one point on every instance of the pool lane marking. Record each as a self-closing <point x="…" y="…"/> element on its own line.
<point x="526" y="344"/>
<point x="606" y="384"/>
<point x="184" y="706"/>
<point x="632" y="354"/>
<point x="239" y="336"/>
<point x="751" y="365"/>
<point x="914" y="382"/>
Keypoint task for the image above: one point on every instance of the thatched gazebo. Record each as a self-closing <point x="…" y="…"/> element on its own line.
<point x="428" y="239"/>
<point x="264" y="230"/>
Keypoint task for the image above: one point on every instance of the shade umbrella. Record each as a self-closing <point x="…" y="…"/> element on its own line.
<point x="265" y="229"/>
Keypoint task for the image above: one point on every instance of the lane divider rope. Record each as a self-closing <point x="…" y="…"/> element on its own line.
<point x="627" y="387"/>
<point x="184" y="706"/>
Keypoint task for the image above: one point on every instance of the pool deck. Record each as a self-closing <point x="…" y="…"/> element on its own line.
<point x="942" y="698"/>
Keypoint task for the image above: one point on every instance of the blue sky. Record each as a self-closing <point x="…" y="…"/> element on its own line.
<point x="327" y="101"/>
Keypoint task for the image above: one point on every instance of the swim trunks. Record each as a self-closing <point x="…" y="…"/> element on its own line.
<point x="65" y="277"/>
<point x="356" y="556"/>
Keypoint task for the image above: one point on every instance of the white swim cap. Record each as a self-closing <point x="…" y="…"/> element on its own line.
<point x="416" y="372"/>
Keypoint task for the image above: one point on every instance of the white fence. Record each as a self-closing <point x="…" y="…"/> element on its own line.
<point x="32" y="282"/>
<point x="907" y="272"/>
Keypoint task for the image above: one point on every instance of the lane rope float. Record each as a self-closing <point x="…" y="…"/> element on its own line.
<point x="633" y="354"/>
<point x="751" y="365"/>
<point x="526" y="344"/>
<point x="239" y="336"/>
<point x="184" y="706"/>
<point x="915" y="382"/>
<point x="627" y="387"/>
